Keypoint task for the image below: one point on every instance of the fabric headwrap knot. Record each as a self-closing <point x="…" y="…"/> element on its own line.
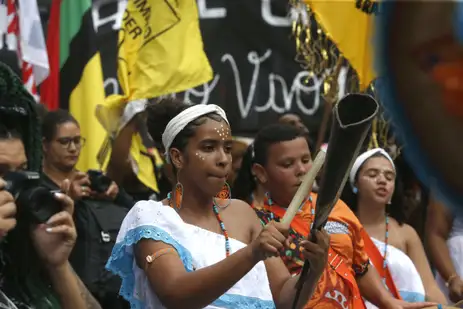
<point x="362" y="158"/>
<point x="179" y="122"/>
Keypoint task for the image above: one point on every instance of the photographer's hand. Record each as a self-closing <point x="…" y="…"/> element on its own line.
<point x="79" y="186"/>
<point x="112" y="191"/>
<point x="7" y="210"/>
<point x="55" y="240"/>
<point x="110" y="194"/>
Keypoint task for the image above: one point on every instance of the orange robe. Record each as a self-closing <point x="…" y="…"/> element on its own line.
<point x="347" y="258"/>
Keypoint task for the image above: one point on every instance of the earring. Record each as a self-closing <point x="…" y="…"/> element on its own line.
<point x="269" y="199"/>
<point x="355" y="190"/>
<point x="178" y="194"/>
<point x="224" y="194"/>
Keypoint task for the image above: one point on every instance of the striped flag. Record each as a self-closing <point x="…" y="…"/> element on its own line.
<point x="25" y="24"/>
<point x="76" y="78"/>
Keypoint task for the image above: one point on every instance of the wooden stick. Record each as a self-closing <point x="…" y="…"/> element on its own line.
<point x="458" y="304"/>
<point x="303" y="189"/>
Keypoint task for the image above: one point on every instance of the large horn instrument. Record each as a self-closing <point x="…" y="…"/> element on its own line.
<point x="352" y="117"/>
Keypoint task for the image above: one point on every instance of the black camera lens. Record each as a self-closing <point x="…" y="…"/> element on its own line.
<point x="40" y="203"/>
<point x="35" y="202"/>
<point x="99" y="182"/>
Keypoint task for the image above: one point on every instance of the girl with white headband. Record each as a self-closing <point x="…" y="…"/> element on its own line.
<point x="394" y="247"/>
<point x="199" y="248"/>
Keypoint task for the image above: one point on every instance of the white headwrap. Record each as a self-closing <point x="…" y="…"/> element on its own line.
<point x="179" y="122"/>
<point x="362" y="158"/>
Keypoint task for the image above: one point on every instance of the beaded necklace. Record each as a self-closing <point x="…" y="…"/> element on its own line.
<point x="386" y="243"/>
<point x="215" y="208"/>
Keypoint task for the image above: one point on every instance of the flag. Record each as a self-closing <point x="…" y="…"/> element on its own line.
<point x="351" y="29"/>
<point x="160" y="52"/>
<point x="76" y="78"/>
<point x="25" y="24"/>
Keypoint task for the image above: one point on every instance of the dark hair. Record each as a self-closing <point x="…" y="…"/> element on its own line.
<point x="42" y="111"/>
<point x="20" y="266"/>
<point x="7" y="133"/>
<point x="257" y="152"/>
<point x="52" y="120"/>
<point x="288" y="113"/>
<point x="395" y="209"/>
<point x="159" y="114"/>
<point x="18" y="112"/>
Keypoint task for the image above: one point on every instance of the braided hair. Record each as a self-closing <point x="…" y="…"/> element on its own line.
<point x="24" y="279"/>
<point x="18" y="112"/>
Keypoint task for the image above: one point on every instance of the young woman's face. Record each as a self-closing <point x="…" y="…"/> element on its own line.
<point x="64" y="149"/>
<point x="208" y="158"/>
<point x="376" y="180"/>
<point x="287" y="163"/>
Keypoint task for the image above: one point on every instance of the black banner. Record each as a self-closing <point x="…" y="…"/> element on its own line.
<point x="251" y="49"/>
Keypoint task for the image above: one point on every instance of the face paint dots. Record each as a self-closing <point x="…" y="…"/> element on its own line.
<point x="199" y="156"/>
<point x="224" y="132"/>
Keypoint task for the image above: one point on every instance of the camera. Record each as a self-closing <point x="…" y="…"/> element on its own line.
<point x="33" y="200"/>
<point x="99" y="182"/>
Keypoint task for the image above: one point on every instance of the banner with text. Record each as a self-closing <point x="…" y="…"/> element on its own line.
<point x="252" y="52"/>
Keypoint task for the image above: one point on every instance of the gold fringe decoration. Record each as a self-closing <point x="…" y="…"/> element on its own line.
<point x="317" y="54"/>
<point x="380" y="136"/>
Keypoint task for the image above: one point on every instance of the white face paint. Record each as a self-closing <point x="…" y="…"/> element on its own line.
<point x="224" y="132"/>
<point x="199" y="156"/>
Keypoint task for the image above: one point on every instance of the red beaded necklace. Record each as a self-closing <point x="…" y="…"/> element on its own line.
<point x="215" y="208"/>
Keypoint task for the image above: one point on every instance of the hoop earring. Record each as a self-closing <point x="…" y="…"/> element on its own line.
<point x="224" y="194"/>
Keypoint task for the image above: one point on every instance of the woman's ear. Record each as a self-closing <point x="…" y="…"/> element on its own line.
<point x="259" y="172"/>
<point x="176" y="158"/>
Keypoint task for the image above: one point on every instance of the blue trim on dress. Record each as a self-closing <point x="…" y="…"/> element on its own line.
<point x="121" y="260"/>
<point x="233" y="301"/>
<point x="121" y="263"/>
<point x="412" y="297"/>
<point x="389" y="98"/>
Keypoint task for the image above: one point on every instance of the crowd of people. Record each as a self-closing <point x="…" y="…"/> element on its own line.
<point x="211" y="237"/>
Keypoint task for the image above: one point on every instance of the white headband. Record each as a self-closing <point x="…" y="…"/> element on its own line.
<point x="179" y="122"/>
<point x="362" y="158"/>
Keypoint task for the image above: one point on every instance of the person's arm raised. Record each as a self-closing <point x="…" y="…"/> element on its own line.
<point x="177" y="288"/>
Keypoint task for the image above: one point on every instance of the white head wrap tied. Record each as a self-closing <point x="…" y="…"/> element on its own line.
<point x="362" y="158"/>
<point x="179" y="122"/>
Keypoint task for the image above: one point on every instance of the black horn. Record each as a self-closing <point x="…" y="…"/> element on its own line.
<point x="352" y="118"/>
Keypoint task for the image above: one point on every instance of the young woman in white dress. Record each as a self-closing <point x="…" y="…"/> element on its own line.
<point x="402" y="259"/>
<point x="199" y="248"/>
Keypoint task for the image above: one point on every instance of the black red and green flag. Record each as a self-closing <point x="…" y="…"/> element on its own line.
<point x="75" y="82"/>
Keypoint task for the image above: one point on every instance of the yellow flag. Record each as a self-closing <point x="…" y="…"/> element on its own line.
<point x="160" y="52"/>
<point x="351" y="29"/>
